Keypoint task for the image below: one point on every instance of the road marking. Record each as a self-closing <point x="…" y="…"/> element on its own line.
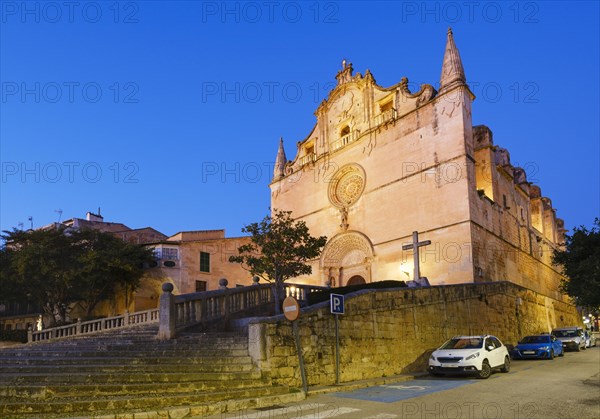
<point x="297" y="409"/>
<point x="317" y="411"/>
<point x="400" y="387"/>
<point x="330" y="413"/>
<point x="397" y="392"/>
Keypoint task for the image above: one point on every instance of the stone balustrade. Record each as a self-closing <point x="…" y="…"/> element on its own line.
<point x="94" y="326"/>
<point x="181" y="311"/>
<point x="177" y="312"/>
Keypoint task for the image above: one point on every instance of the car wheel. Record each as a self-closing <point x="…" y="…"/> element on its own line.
<point x="551" y="355"/>
<point x="506" y="366"/>
<point x="486" y="370"/>
<point x="562" y="352"/>
<point x="578" y="348"/>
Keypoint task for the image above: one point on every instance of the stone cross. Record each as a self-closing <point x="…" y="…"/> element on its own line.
<point x="415" y="246"/>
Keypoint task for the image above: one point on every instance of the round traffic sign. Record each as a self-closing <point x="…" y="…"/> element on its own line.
<point x="291" y="308"/>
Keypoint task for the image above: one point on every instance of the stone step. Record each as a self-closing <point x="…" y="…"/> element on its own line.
<point x="95" y="367"/>
<point x="140" y="338"/>
<point x="124" y="361"/>
<point x="130" y="352"/>
<point x="61" y="390"/>
<point x="10" y="408"/>
<point x="213" y="378"/>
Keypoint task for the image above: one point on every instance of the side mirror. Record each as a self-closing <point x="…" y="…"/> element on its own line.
<point x="490" y="348"/>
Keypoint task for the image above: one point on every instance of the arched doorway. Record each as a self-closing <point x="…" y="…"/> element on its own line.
<point x="356" y="280"/>
<point x="347" y="257"/>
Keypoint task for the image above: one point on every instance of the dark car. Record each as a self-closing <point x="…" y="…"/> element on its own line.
<point x="538" y="346"/>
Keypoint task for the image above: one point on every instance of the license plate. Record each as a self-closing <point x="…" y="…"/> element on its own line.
<point x="451" y="365"/>
<point x="529" y="352"/>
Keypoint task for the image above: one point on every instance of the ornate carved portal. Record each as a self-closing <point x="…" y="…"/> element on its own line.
<point x="347" y="256"/>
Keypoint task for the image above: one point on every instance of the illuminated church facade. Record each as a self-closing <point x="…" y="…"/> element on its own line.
<point x="381" y="163"/>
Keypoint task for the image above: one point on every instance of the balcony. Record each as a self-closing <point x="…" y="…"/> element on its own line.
<point x="385" y="117"/>
<point x="309" y="158"/>
<point x="344" y="141"/>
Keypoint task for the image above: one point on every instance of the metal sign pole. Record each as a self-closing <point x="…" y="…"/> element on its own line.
<point x="336" y="306"/>
<point x="291" y="311"/>
<point x="337" y="349"/>
<point x="300" y="358"/>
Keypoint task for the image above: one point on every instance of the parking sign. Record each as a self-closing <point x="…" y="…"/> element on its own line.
<point x="336" y="303"/>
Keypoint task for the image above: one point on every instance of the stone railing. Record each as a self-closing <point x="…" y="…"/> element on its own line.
<point x="309" y="158"/>
<point x="345" y="140"/>
<point x="94" y="326"/>
<point x="178" y="312"/>
<point x="385" y="116"/>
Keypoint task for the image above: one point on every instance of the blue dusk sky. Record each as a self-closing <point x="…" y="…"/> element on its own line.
<point x="169" y="114"/>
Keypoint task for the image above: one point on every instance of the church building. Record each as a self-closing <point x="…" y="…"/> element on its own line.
<point x="386" y="171"/>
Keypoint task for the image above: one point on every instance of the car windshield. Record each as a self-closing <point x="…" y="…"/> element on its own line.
<point x="565" y="333"/>
<point x="536" y="339"/>
<point x="463" y="343"/>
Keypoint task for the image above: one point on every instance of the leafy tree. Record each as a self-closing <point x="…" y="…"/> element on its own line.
<point x="108" y="265"/>
<point x="55" y="268"/>
<point x="581" y="264"/>
<point x="279" y="250"/>
<point x="42" y="268"/>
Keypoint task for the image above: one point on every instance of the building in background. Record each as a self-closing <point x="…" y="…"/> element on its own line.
<point x="191" y="260"/>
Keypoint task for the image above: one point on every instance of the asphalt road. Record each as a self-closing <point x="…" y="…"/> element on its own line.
<point x="566" y="387"/>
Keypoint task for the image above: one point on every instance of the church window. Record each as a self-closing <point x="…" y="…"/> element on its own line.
<point x="204" y="262"/>
<point x="345" y="131"/>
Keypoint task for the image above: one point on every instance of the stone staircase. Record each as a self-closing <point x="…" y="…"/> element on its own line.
<point x="129" y="374"/>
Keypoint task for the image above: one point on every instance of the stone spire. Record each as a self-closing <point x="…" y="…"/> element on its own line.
<point x="452" y="69"/>
<point x="280" y="162"/>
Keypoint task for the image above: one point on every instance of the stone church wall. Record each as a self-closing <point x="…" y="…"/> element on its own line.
<point x="509" y="237"/>
<point x="391" y="332"/>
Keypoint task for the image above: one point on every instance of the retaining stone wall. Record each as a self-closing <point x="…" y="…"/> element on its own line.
<point x="394" y="331"/>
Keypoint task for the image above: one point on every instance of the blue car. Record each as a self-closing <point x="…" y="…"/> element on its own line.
<point x="538" y="346"/>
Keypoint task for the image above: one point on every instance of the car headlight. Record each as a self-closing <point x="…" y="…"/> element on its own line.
<point x="432" y="357"/>
<point x="544" y="348"/>
<point x="470" y="357"/>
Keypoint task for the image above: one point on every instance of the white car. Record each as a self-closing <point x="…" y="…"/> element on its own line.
<point x="590" y="339"/>
<point x="476" y="355"/>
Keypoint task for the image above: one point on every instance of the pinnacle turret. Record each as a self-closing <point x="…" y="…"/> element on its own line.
<point x="280" y="161"/>
<point x="452" y="68"/>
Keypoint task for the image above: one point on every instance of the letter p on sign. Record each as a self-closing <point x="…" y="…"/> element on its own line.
<point x="336" y="303"/>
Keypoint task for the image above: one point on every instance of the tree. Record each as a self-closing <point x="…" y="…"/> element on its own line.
<point x="55" y="268"/>
<point x="580" y="261"/>
<point x="279" y="250"/>
<point x="108" y="265"/>
<point x="42" y="269"/>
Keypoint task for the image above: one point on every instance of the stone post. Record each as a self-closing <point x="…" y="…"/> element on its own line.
<point x="78" y="330"/>
<point x="225" y="301"/>
<point x="257" y="344"/>
<point x="29" y="334"/>
<point x="255" y="280"/>
<point x="166" y="316"/>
